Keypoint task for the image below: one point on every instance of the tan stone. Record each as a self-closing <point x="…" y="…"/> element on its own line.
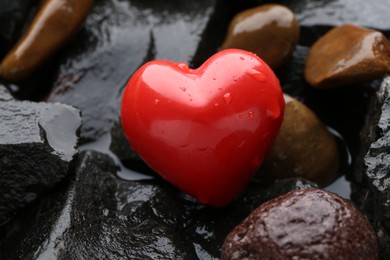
<point x="303" y="148"/>
<point x="271" y="31"/>
<point x="347" y="55"/>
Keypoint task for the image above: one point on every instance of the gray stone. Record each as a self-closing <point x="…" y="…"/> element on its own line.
<point x="37" y="144"/>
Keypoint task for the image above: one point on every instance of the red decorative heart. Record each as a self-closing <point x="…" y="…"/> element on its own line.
<point x="204" y="130"/>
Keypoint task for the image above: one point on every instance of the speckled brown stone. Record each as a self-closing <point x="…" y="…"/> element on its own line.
<point x="303" y="148"/>
<point x="347" y="55"/>
<point x="303" y="224"/>
<point x="271" y="31"/>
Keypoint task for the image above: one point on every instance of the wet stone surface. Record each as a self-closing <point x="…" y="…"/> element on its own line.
<point x="102" y="216"/>
<point x="37" y="144"/>
<point x="371" y="186"/>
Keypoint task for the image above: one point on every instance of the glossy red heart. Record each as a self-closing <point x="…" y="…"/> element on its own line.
<point x="204" y="130"/>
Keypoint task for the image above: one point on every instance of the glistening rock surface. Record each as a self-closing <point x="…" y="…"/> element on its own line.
<point x="37" y="144"/>
<point x="102" y="216"/>
<point x="371" y="189"/>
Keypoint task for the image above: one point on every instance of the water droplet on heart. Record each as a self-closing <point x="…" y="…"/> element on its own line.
<point x="242" y="58"/>
<point x="241" y="115"/>
<point x="227" y="98"/>
<point x="183" y="89"/>
<point x="251" y="115"/>
<point x="216" y="105"/>
<point x="156" y="102"/>
<point x="257" y="75"/>
<point x="241" y="145"/>
<point x="183" y="65"/>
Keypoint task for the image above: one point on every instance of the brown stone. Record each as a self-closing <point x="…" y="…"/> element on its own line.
<point x="303" y="148"/>
<point x="347" y="55"/>
<point x="271" y="31"/>
<point x="54" y="24"/>
<point x="303" y="224"/>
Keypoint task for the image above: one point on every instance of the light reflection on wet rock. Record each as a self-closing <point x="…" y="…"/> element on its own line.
<point x="371" y="185"/>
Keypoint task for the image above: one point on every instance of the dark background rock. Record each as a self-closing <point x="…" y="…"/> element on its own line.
<point x="337" y="12"/>
<point x="101" y="216"/>
<point x="13" y="16"/>
<point x="371" y="186"/>
<point x="37" y="145"/>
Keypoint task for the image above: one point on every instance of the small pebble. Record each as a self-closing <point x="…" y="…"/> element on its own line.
<point x="303" y="224"/>
<point x="271" y="31"/>
<point x="303" y="148"/>
<point x="347" y="55"/>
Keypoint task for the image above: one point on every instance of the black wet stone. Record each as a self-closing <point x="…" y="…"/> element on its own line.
<point x="371" y="185"/>
<point x="102" y="216"/>
<point x="37" y="144"/>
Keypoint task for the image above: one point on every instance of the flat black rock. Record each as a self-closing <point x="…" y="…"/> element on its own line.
<point x="37" y="144"/>
<point x="102" y="216"/>
<point x="371" y="186"/>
